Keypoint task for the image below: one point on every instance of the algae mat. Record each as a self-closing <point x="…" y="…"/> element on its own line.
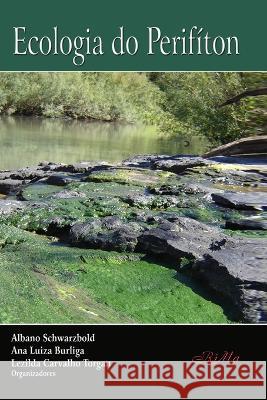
<point x="44" y="282"/>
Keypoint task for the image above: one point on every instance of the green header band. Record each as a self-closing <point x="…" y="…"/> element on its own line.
<point x="122" y="35"/>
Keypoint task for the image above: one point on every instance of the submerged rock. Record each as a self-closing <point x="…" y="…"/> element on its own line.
<point x="239" y="201"/>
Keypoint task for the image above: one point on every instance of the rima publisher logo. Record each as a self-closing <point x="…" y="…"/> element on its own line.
<point x="190" y="379"/>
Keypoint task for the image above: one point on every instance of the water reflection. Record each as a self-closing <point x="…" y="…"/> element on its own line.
<point x="27" y="141"/>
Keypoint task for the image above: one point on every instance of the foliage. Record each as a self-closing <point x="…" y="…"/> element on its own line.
<point x="177" y="103"/>
<point x="256" y="122"/>
<point x="194" y="99"/>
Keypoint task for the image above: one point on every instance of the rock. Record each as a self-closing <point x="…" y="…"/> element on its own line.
<point x="152" y="202"/>
<point x="247" y="224"/>
<point x="109" y="233"/>
<point x="178" y="164"/>
<point x="68" y="194"/>
<point x="9" y="186"/>
<point x="7" y="207"/>
<point x="184" y="237"/>
<point x="142" y="161"/>
<point x="57" y="226"/>
<point x="60" y="180"/>
<point x="242" y="267"/>
<point x="76" y="168"/>
<point x="241" y="201"/>
<point x="133" y="176"/>
<point x="29" y="173"/>
<point x="214" y="258"/>
<point x="176" y="190"/>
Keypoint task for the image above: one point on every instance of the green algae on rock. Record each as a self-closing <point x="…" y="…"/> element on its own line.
<point x="108" y="211"/>
<point x="45" y="282"/>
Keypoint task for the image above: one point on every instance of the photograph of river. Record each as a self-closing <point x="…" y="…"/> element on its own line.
<point x="133" y="197"/>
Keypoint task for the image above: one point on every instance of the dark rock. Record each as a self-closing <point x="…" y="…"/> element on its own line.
<point x="11" y="186"/>
<point x="7" y="207"/>
<point x="214" y="258"/>
<point x="241" y="201"/>
<point x="29" y="173"/>
<point x="57" y="226"/>
<point x="176" y="190"/>
<point x="142" y="161"/>
<point x="184" y="237"/>
<point x="76" y="168"/>
<point x="60" y="180"/>
<point x="247" y="224"/>
<point x="179" y="164"/>
<point x="109" y="233"/>
<point x="239" y="272"/>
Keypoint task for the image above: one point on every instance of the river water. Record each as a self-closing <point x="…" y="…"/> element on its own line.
<point x="27" y="141"/>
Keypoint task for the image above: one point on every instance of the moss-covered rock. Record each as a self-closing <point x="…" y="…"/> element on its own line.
<point x="49" y="283"/>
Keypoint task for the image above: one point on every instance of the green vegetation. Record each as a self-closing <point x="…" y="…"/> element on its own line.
<point x="52" y="283"/>
<point x="177" y="103"/>
<point x="256" y="106"/>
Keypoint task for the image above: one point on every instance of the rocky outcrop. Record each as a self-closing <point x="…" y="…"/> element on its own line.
<point x="241" y="264"/>
<point x="109" y="233"/>
<point x="61" y="180"/>
<point x="247" y="224"/>
<point x="239" y="201"/>
<point x="178" y="164"/>
<point x="155" y="205"/>
<point x="211" y="256"/>
<point x="239" y="272"/>
<point x="182" y="238"/>
<point x="11" y="186"/>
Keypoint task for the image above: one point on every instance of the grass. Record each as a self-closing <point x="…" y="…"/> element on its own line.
<point x="42" y="281"/>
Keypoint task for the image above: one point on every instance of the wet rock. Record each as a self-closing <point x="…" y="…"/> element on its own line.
<point x="8" y="207"/>
<point x="241" y="266"/>
<point x="241" y="201"/>
<point x="247" y="224"/>
<point x="109" y="233"/>
<point x="179" y="164"/>
<point x="11" y="186"/>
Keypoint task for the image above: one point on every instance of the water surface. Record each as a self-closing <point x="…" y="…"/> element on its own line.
<point x="27" y="141"/>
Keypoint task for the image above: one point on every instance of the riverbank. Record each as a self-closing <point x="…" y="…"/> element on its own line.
<point x="150" y="239"/>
